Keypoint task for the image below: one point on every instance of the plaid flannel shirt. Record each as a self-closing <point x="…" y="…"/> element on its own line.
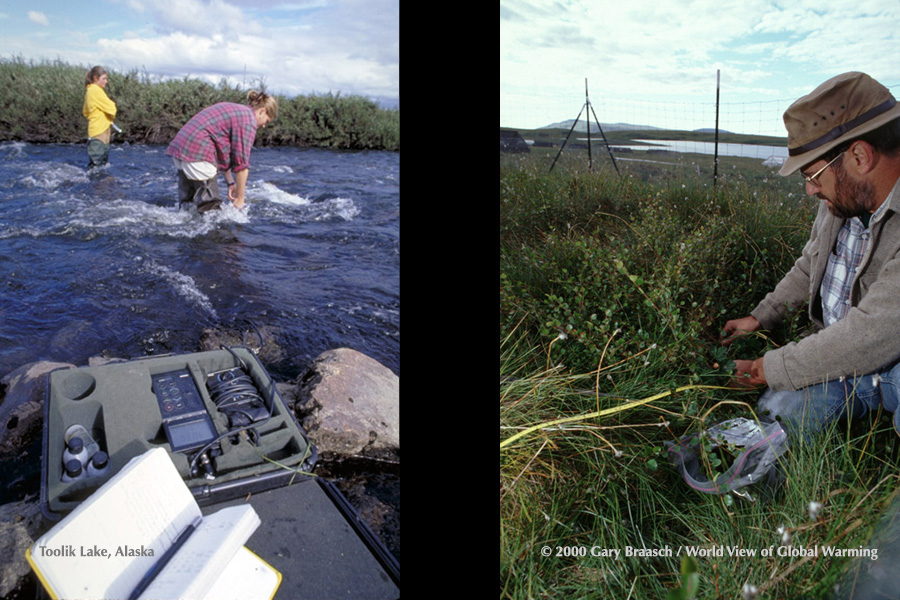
<point x="865" y="340"/>
<point x="221" y="134"/>
<point x="842" y="264"/>
<point x="849" y="250"/>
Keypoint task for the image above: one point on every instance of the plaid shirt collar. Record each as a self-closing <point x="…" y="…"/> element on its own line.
<point x="843" y="264"/>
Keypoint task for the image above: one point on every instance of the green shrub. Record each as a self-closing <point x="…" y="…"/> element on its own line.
<point x="614" y="289"/>
<point x="44" y="102"/>
<point x="584" y="255"/>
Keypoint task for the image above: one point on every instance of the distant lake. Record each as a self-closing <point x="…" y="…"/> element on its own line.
<point x="743" y="150"/>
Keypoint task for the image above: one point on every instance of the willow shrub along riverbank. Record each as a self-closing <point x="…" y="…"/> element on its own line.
<point x="42" y="103"/>
<point x="613" y="289"/>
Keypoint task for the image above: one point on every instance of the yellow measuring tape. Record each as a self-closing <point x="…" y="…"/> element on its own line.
<point x="608" y="411"/>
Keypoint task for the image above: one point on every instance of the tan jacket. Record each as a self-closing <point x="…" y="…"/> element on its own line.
<point x="868" y="338"/>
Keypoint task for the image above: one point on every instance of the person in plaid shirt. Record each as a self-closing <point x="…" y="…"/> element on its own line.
<point x="219" y="139"/>
<point x="844" y="139"/>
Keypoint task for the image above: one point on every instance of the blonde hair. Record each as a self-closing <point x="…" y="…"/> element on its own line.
<point x="93" y="75"/>
<point x="258" y="100"/>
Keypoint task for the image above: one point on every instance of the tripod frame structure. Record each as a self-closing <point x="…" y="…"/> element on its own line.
<point x="590" y="110"/>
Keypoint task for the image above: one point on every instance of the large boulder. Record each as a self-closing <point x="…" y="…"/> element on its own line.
<point x="22" y="403"/>
<point x="350" y="405"/>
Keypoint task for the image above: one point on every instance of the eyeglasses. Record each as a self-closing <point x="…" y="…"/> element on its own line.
<point x="813" y="179"/>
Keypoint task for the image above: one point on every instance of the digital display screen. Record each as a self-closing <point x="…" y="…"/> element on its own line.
<point x="189" y="434"/>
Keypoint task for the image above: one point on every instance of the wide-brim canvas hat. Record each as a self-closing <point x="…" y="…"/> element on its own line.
<point x="841" y="109"/>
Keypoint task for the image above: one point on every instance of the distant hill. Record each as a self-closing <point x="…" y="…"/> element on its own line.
<point x="582" y="126"/>
<point x="607" y="127"/>
<point x="627" y="133"/>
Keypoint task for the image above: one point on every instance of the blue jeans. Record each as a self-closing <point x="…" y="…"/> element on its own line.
<point x="808" y="411"/>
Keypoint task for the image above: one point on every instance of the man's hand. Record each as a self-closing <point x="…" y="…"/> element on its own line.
<point x="739" y="327"/>
<point x="749" y="373"/>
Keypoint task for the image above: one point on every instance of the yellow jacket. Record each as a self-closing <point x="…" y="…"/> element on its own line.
<point x="99" y="110"/>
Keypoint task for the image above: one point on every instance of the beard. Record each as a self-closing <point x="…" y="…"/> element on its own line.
<point x="851" y="198"/>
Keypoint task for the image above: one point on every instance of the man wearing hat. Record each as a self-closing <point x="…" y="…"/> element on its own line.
<point x="844" y="139"/>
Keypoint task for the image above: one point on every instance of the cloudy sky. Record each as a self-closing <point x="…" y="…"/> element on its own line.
<point x="650" y="52"/>
<point x="304" y="47"/>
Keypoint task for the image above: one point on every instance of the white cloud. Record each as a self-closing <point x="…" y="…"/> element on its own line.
<point x="291" y="64"/>
<point x="671" y="51"/>
<point x="39" y="18"/>
<point x="636" y="46"/>
<point x="199" y="17"/>
<point x="296" y="47"/>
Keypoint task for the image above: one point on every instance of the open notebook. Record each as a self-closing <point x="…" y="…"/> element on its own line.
<point x="112" y="545"/>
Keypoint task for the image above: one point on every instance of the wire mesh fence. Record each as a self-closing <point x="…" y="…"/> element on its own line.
<point x="700" y="139"/>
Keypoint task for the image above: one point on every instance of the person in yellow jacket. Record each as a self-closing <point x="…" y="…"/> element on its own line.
<point x="100" y="112"/>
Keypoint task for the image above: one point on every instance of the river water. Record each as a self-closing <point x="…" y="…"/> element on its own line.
<point x="103" y="262"/>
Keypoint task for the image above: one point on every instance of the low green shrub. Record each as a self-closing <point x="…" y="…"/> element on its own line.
<point x="585" y="255"/>
<point x="43" y="103"/>
<point x="613" y="289"/>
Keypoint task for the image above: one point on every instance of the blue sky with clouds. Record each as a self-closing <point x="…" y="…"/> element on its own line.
<point x="670" y="51"/>
<point x="351" y="47"/>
